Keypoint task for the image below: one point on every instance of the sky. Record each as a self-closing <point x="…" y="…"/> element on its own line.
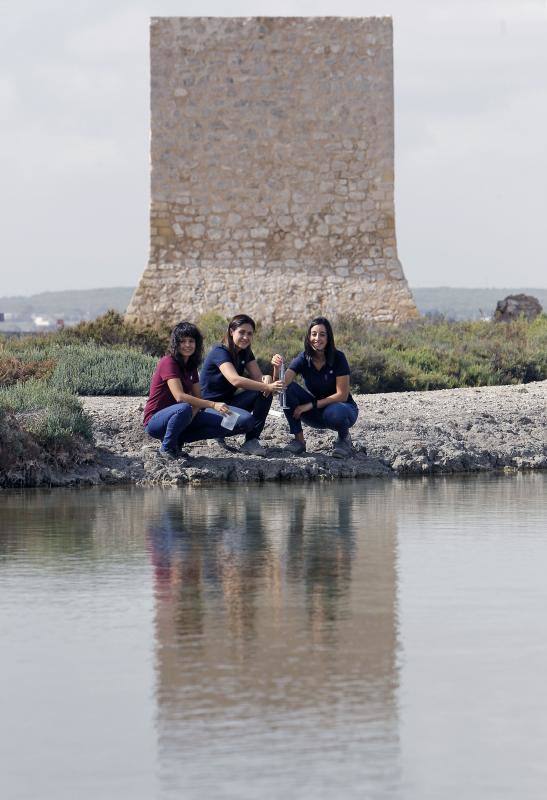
<point x="470" y="137"/>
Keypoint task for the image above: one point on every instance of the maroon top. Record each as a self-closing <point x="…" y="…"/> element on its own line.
<point x="160" y="395"/>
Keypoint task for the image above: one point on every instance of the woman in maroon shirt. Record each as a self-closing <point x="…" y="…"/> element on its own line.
<point x="175" y="412"/>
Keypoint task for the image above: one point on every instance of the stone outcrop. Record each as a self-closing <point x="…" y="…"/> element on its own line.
<point x="517" y="305"/>
<point x="272" y="161"/>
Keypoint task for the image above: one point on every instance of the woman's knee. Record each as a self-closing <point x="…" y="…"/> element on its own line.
<point x="337" y="416"/>
<point x="182" y="410"/>
<point x="245" y="423"/>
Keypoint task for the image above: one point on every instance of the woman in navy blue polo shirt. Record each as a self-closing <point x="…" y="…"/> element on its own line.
<point x="223" y="375"/>
<point x="326" y="402"/>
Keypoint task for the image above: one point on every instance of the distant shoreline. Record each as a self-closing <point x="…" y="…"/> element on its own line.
<point x="75" y="305"/>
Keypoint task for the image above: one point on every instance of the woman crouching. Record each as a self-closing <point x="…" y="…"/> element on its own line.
<point x="326" y="402"/>
<point x="223" y="380"/>
<point x="175" y="412"/>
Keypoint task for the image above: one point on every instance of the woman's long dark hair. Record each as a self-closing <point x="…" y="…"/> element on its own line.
<point x="236" y="322"/>
<point x="330" y="349"/>
<point x="177" y="335"/>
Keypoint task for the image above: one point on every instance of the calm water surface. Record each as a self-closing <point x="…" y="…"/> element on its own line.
<point x="360" y="640"/>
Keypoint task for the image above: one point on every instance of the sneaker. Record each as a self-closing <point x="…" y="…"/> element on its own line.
<point x="296" y="447"/>
<point x="253" y="448"/>
<point x="167" y="454"/>
<point x="348" y="442"/>
<point x="343" y="447"/>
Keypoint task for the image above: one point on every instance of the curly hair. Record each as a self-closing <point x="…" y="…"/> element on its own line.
<point x="179" y="332"/>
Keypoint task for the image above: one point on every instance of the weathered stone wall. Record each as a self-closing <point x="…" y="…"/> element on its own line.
<point x="272" y="171"/>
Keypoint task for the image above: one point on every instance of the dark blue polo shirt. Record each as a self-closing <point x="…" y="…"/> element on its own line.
<point x="214" y="385"/>
<point x="321" y="382"/>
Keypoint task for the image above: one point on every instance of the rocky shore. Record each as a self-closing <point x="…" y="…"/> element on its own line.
<point x="408" y="433"/>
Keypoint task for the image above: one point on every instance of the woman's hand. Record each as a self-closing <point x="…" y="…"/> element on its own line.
<point x="222" y="408"/>
<point x="277" y="360"/>
<point x="266" y="379"/>
<point x="271" y="386"/>
<point x="299" y="410"/>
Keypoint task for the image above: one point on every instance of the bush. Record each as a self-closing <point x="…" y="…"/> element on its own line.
<point x="87" y="369"/>
<point x="111" y="329"/>
<point x="427" y="354"/>
<point x="82" y="368"/>
<point x="53" y="417"/>
<point x="212" y="326"/>
<point x="13" y="370"/>
<point x="422" y="355"/>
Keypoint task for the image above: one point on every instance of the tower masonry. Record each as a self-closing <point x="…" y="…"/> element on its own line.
<point x="272" y="171"/>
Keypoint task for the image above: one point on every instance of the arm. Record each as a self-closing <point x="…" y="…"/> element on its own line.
<point x="194" y="399"/>
<point x="254" y="382"/>
<point x="290" y="375"/>
<point x="254" y="371"/>
<point x="340" y="396"/>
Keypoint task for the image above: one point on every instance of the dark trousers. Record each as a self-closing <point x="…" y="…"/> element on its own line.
<point x="257" y="405"/>
<point x="335" y="417"/>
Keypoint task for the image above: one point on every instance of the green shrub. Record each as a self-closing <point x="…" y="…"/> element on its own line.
<point x="86" y="369"/>
<point x="95" y="358"/>
<point x="52" y="416"/>
<point x="111" y="329"/>
<point x="212" y="326"/>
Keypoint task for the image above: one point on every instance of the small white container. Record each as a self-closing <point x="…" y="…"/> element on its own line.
<point x="229" y="421"/>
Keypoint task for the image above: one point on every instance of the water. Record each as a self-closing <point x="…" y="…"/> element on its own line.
<point x="361" y="640"/>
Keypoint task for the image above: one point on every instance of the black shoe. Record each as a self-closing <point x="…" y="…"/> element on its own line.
<point x="296" y="447"/>
<point x="167" y="454"/>
<point x="343" y="447"/>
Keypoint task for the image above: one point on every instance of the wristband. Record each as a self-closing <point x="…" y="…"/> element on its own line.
<point x="314" y="404"/>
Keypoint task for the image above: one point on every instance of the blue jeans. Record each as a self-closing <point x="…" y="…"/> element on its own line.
<point x="336" y="417"/>
<point x="257" y="404"/>
<point x="174" y="425"/>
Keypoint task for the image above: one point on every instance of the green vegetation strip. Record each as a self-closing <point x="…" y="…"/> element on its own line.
<point x="108" y="357"/>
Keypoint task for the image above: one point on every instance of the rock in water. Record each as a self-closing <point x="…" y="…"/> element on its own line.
<point x="516" y="305"/>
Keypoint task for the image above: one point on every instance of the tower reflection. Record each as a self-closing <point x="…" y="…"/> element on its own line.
<point x="276" y="609"/>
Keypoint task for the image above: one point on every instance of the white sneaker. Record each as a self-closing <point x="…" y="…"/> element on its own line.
<point x="252" y="447"/>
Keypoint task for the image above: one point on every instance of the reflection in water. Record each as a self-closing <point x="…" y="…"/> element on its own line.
<point x="259" y="626"/>
<point x="368" y="639"/>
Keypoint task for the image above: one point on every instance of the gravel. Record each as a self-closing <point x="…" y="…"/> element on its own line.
<point x="407" y="433"/>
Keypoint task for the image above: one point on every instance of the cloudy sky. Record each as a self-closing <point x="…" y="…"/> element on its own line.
<point x="470" y="126"/>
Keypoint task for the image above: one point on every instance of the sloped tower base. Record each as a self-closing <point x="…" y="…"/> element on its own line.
<point x="272" y="171"/>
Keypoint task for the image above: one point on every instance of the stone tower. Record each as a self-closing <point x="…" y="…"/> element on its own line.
<point x="272" y="171"/>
